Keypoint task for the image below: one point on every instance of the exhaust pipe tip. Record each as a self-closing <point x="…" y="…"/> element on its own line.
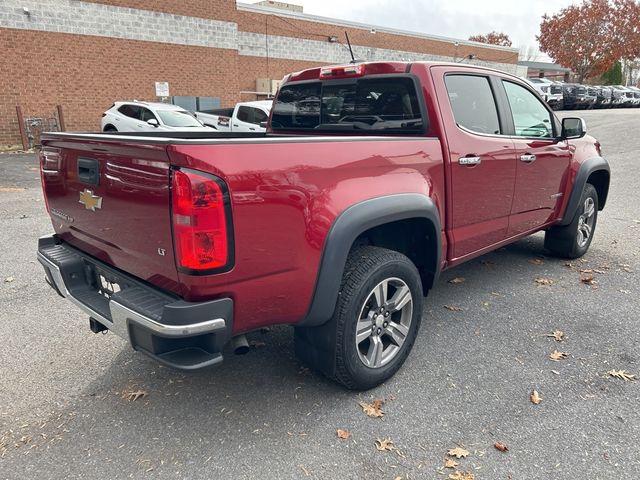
<point x="240" y="345"/>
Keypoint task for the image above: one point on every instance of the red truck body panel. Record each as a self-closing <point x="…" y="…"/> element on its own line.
<point x="285" y="196"/>
<point x="286" y="192"/>
<point x="132" y="223"/>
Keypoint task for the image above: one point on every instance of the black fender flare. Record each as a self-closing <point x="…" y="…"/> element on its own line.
<point x="587" y="167"/>
<point x="347" y="227"/>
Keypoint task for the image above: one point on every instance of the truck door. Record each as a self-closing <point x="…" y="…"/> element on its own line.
<point x="542" y="160"/>
<point x="482" y="161"/>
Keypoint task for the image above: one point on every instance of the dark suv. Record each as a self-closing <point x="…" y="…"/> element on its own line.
<point x="576" y="96"/>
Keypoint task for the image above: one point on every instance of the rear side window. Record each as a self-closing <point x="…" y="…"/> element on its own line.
<point x="382" y="105"/>
<point x="130" y="111"/>
<point x="252" y="115"/>
<point x="473" y="104"/>
<point x="244" y="114"/>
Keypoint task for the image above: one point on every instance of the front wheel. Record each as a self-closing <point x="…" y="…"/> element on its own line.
<point x="375" y="322"/>
<point x="573" y="240"/>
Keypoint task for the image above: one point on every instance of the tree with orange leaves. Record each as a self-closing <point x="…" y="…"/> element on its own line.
<point x="626" y="26"/>
<point x="493" y="38"/>
<point x="591" y="37"/>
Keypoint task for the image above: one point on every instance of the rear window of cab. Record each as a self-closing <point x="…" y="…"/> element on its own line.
<point x="376" y="105"/>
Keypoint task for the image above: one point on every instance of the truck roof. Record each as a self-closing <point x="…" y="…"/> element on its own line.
<point x="377" y="68"/>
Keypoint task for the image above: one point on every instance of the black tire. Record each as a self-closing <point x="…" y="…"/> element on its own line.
<point x="110" y="128"/>
<point x="332" y="348"/>
<point x="569" y="241"/>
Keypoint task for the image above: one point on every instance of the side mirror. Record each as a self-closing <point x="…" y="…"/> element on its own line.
<point x="153" y="122"/>
<point x="264" y="124"/>
<point x="573" y="127"/>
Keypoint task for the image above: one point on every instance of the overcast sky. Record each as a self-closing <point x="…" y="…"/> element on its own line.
<point x="519" y="19"/>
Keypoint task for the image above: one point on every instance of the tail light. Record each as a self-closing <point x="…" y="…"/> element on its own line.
<point x="201" y="222"/>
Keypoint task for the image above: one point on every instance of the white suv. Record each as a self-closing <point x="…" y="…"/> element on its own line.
<point x="149" y="117"/>
<point x="550" y="91"/>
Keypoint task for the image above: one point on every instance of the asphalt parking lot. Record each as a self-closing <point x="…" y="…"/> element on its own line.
<point x="64" y="410"/>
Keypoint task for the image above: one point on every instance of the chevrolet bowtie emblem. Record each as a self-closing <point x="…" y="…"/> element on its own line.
<point x="90" y="201"/>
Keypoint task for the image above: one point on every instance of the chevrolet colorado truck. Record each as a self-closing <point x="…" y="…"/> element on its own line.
<point x="371" y="179"/>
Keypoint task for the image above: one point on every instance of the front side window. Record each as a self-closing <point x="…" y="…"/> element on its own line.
<point x="530" y="117"/>
<point x="178" y="118"/>
<point x="472" y="102"/>
<point x="259" y="116"/>
<point x="146" y="114"/>
<point x="381" y="104"/>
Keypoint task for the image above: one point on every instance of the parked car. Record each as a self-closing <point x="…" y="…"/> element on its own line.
<point x="604" y="96"/>
<point x="618" y="97"/>
<point x="576" y="96"/>
<point x="636" y="95"/>
<point x="591" y="96"/>
<point x="628" y="99"/>
<point x="552" y="91"/>
<point x="245" y="117"/>
<point x="149" y="117"/>
<point x="372" y="178"/>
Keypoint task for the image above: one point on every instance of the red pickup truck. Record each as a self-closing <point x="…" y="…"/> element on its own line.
<point x="371" y="179"/>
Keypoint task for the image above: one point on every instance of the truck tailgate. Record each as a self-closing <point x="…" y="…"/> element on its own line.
<point x="111" y="199"/>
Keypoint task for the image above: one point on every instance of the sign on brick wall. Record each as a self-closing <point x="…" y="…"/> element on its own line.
<point x="162" y="89"/>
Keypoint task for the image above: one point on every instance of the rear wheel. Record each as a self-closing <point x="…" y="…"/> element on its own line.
<point x="573" y="240"/>
<point x="375" y="322"/>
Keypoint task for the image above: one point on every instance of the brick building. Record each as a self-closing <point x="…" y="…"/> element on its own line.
<point x="84" y="55"/>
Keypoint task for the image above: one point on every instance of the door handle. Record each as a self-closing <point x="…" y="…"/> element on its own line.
<point x="469" y="160"/>
<point x="527" y="158"/>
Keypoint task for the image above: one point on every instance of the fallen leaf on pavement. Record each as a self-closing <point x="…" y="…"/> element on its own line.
<point x="501" y="446"/>
<point x="543" y="282"/>
<point x="385" y="445"/>
<point x="488" y="264"/>
<point x="373" y="409"/>
<point x="457" y="452"/>
<point x="557" y="335"/>
<point x="588" y="279"/>
<point x="8" y="279"/>
<point x="556" y="356"/>
<point x="457" y="280"/>
<point x="453" y="308"/>
<point x="622" y="374"/>
<point x="535" y="397"/>
<point x="133" y="395"/>
<point x="450" y="463"/>
<point x="306" y="472"/>
<point x="343" y="434"/>
<point x="536" y="261"/>
<point x="257" y="344"/>
<point x="458" y="475"/>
